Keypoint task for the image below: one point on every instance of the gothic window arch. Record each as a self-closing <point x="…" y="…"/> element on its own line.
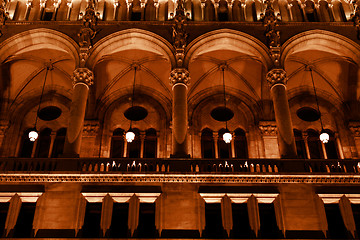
<point x="150" y="11"/>
<point x="223" y="11"/>
<point x="207" y="143"/>
<point x="325" y="12"/>
<point x="117" y="143"/>
<point x="310" y="11"/>
<point x="240" y="144"/>
<point x="209" y="11"/>
<point x="296" y="12"/>
<point x="238" y="11"/>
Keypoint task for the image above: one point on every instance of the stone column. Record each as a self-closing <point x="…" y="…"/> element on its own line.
<point x="277" y="81"/>
<point x="179" y="78"/>
<point x="82" y="79"/>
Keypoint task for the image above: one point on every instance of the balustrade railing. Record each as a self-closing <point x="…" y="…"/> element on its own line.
<point x="123" y="165"/>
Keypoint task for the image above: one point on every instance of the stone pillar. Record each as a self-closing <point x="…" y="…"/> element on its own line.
<point x="179" y="78"/>
<point x="90" y="131"/>
<point x="268" y="132"/>
<point x="82" y="79"/>
<point x="277" y="81"/>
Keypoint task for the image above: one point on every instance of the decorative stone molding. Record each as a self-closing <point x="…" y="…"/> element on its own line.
<point x="268" y="128"/>
<point x="181" y="178"/>
<point x="87" y="31"/>
<point x="83" y="75"/>
<point x="3" y="128"/>
<point x="356" y="19"/>
<point x="276" y="76"/>
<point x="270" y="22"/>
<point x="179" y="75"/>
<point x="179" y="34"/>
<point x="91" y="128"/>
<point x="355" y="128"/>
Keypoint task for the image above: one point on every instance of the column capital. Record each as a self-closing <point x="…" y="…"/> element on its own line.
<point x="268" y="128"/>
<point x="83" y="76"/>
<point x="276" y="76"/>
<point x="179" y="76"/>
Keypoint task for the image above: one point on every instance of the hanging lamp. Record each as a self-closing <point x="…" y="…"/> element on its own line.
<point x="324" y="136"/>
<point x="227" y="136"/>
<point x="130" y="135"/>
<point x="33" y="134"/>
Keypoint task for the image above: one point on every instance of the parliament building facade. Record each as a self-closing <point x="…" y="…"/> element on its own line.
<point x="180" y="119"/>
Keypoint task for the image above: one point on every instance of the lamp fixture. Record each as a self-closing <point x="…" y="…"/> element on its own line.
<point x="130" y="135"/>
<point x="324" y="136"/>
<point x="227" y="136"/>
<point x="33" y="134"/>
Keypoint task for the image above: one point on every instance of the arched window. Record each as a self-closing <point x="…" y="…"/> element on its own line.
<point x="296" y="12"/>
<point x="134" y="147"/>
<point x="331" y="146"/>
<point x="150" y="143"/>
<point x="300" y="144"/>
<point x="59" y="142"/>
<point x="240" y="144"/>
<point x="43" y="143"/>
<point x="150" y="11"/>
<point x="117" y="143"/>
<point x="136" y="11"/>
<point x="325" y="12"/>
<point x="26" y="145"/>
<point x="223" y="13"/>
<point x="310" y="11"/>
<point x="238" y="11"/>
<point x="224" y="149"/>
<point x="207" y="143"/>
<point x="314" y="144"/>
<point x="209" y="11"/>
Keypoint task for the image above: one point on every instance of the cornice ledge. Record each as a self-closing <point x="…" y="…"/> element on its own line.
<point x="179" y="178"/>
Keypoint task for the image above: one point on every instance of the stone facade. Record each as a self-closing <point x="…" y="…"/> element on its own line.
<point x="274" y="73"/>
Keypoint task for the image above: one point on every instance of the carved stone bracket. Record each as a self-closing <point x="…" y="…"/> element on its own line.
<point x="268" y="128"/>
<point x="271" y="22"/>
<point x="276" y="76"/>
<point x="91" y="128"/>
<point x="179" y="34"/>
<point x="275" y="56"/>
<point x="355" y="128"/>
<point x="356" y="19"/>
<point x="179" y="75"/>
<point x="87" y="31"/>
<point x="3" y="15"/>
<point x="83" y="75"/>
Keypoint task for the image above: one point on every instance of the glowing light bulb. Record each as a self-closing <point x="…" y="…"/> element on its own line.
<point x="130" y="136"/>
<point x="33" y="135"/>
<point x="227" y="137"/>
<point x="324" y="137"/>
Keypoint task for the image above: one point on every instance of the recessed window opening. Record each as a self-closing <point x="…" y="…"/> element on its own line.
<point x="268" y="224"/>
<point x="213" y="226"/>
<point x="146" y="227"/>
<point x="119" y="221"/>
<point x="24" y="223"/>
<point x="241" y="226"/>
<point x="91" y="227"/>
<point x="117" y="143"/>
<point x="336" y="227"/>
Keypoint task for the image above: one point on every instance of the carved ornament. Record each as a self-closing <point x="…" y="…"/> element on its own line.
<point x="83" y="75"/>
<point x="179" y="75"/>
<point x="271" y="22"/>
<point x="268" y="128"/>
<point x="356" y="19"/>
<point x="355" y="128"/>
<point x="276" y="76"/>
<point x="87" y="31"/>
<point x="180" y="178"/>
<point x="179" y="34"/>
<point x="91" y="128"/>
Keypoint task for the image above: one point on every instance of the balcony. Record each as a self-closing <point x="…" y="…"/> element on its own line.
<point x="184" y="166"/>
